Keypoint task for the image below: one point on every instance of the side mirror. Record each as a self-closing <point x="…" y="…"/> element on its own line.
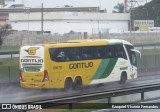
<point x="134" y="50"/>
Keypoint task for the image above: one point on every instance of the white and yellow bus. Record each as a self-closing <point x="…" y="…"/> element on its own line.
<point x="77" y="63"/>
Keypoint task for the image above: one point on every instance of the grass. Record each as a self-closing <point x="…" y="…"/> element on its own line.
<point x="9" y="48"/>
<point x="9" y="74"/>
<point x="9" y="70"/>
<point x="9" y="62"/>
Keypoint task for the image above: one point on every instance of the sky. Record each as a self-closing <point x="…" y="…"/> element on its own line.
<point x="103" y="4"/>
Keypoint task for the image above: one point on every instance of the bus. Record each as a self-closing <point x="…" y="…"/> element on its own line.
<point x="77" y="63"/>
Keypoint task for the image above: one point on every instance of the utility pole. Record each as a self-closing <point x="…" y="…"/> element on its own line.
<point x="125" y="6"/>
<point x="131" y="21"/>
<point x="2" y="2"/>
<point x="42" y="19"/>
<point x="130" y="25"/>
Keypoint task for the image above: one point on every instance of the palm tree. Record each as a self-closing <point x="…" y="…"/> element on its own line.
<point x="119" y="8"/>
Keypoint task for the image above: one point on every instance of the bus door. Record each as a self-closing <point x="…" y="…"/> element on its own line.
<point x="133" y="60"/>
<point x="122" y="62"/>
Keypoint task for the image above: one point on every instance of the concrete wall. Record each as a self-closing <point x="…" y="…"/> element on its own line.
<point x="33" y="38"/>
<point x="36" y="16"/>
<point x="64" y="22"/>
<point x="76" y="26"/>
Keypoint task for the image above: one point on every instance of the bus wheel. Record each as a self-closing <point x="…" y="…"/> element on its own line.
<point x="68" y="84"/>
<point x="77" y="83"/>
<point x="123" y="78"/>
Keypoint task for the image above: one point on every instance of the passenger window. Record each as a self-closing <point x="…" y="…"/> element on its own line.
<point x="74" y="54"/>
<point x="104" y="52"/>
<point x="87" y="53"/>
<point x="52" y="52"/>
<point x="120" y="52"/>
<point x="100" y="52"/>
<point x="61" y="55"/>
<point x="109" y="52"/>
<point x="58" y="54"/>
<point x="97" y="53"/>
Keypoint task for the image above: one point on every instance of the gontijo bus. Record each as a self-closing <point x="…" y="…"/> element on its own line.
<point x="77" y="63"/>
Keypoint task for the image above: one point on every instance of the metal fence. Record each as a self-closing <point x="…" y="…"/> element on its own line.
<point x="148" y="63"/>
<point x="9" y="74"/>
<point x="23" y="38"/>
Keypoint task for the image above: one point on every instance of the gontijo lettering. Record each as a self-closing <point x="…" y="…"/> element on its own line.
<point x="32" y="60"/>
<point x="80" y="65"/>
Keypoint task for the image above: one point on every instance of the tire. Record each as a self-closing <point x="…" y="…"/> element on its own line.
<point x="78" y="83"/>
<point x="68" y="84"/>
<point x="123" y="78"/>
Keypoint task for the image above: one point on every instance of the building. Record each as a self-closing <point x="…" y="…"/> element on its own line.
<point x="64" y="20"/>
<point x="1" y="3"/>
<point x="9" y="1"/>
<point x="3" y="18"/>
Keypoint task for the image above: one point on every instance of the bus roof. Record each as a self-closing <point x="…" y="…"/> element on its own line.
<point x="88" y="42"/>
<point x="109" y="41"/>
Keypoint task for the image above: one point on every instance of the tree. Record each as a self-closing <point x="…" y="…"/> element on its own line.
<point x="4" y="31"/>
<point x="149" y="11"/>
<point x="119" y="8"/>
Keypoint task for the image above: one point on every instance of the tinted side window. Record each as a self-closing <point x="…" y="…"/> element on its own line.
<point x="74" y="53"/>
<point x="52" y="52"/>
<point x="103" y="52"/>
<point x="120" y="52"/>
<point x="58" y="54"/>
<point x="109" y="51"/>
<point x="87" y="53"/>
<point x="99" y="52"/>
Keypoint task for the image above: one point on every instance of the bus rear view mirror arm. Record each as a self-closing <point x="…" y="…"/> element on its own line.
<point x="134" y="50"/>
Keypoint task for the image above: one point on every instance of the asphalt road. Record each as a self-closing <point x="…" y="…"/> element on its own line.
<point x="13" y="93"/>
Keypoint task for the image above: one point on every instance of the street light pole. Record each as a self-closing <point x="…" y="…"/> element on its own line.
<point x="42" y="19"/>
<point x="155" y="10"/>
<point x="28" y="22"/>
<point x="130" y="21"/>
<point x="27" y="11"/>
<point x="98" y="17"/>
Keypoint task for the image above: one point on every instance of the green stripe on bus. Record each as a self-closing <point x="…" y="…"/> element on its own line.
<point x="101" y="69"/>
<point x="105" y="68"/>
<point x="109" y="68"/>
